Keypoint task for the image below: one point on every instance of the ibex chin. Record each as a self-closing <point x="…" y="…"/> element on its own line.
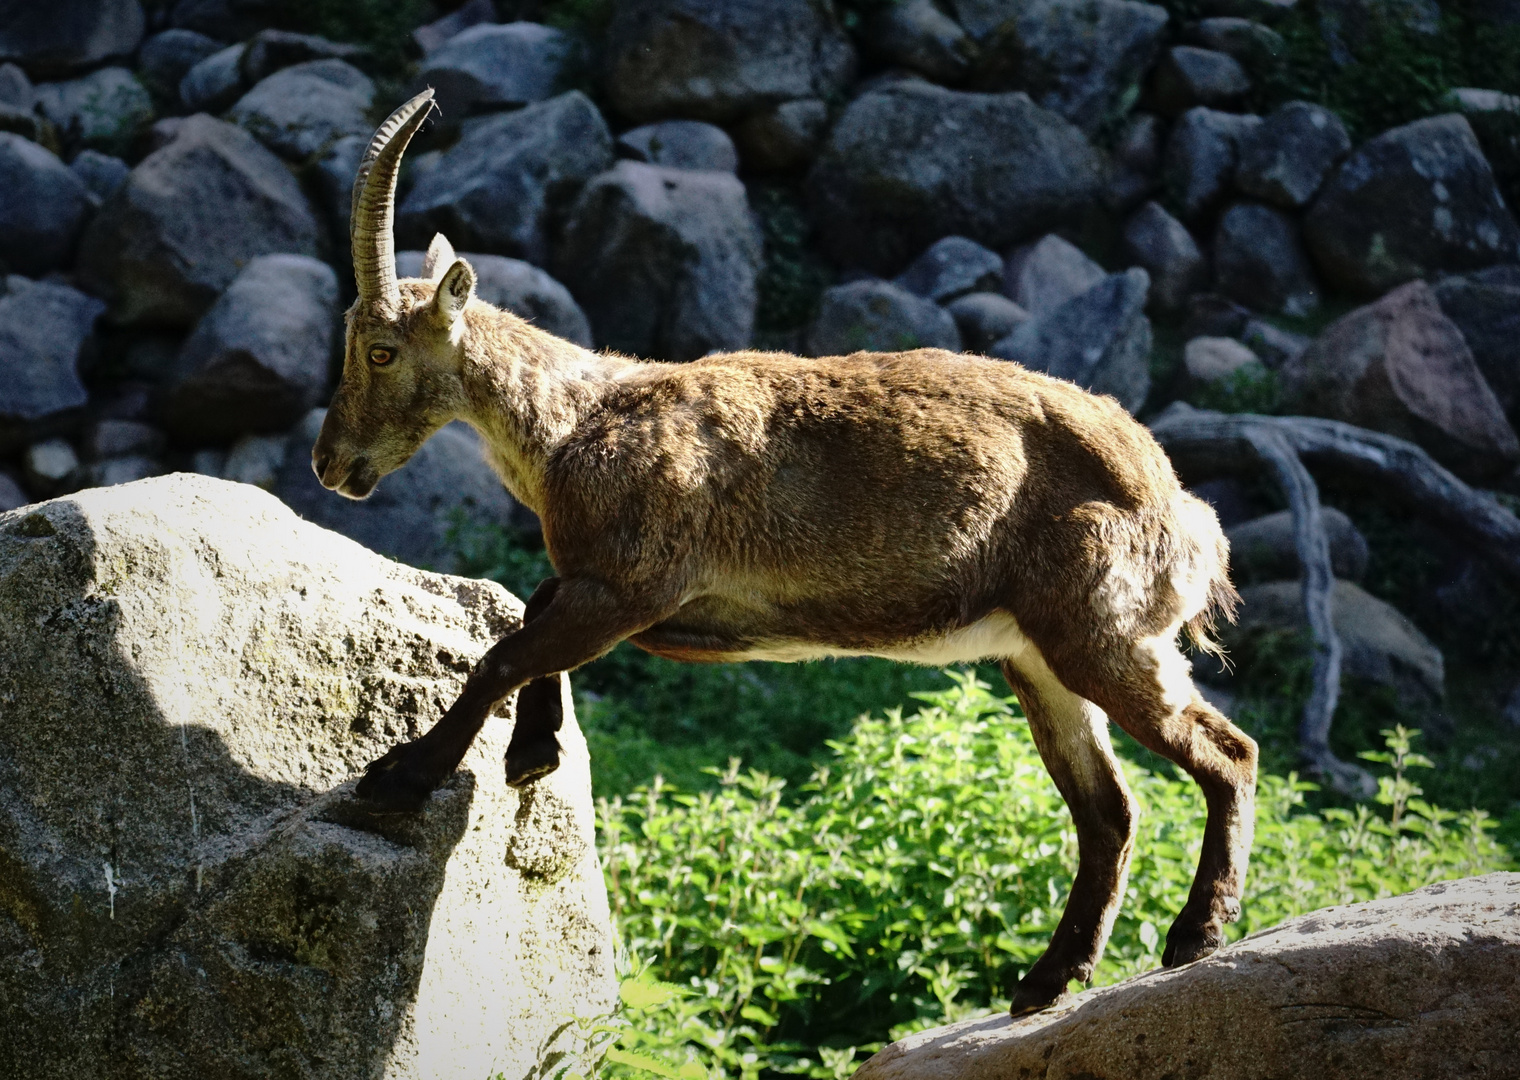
<point x="925" y="506"/>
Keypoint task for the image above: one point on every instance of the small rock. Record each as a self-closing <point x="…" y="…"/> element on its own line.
<point x="189" y="217"/>
<point x="1351" y="27"/>
<point x="11" y="494"/>
<point x="1162" y="244"/>
<point x="215" y="83"/>
<point x="701" y="61"/>
<point x="227" y="20"/>
<point x="118" y="438"/>
<point x="1099" y="339"/>
<point x="984" y="319"/>
<point x="1135" y="171"/>
<point x="680" y="144"/>
<point x="1266" y="11"/>
<point x="302" y="110"/>
<point x="1264" y="549"/>
<point x="917" y="35"/>
<point x="256" y="460"/>
<point x="334" y="172"/>
<point x="270" y="51"/>
<point x="167" y="57"/>
<point x="1415" y="201"/>
<point x="43" y="331"/>
<point x="51" y="467"/>
<point x="101" y="173"/>
<point x="67" y="36"/>
<point x="878" y="316"/>
<point x="1274" y="345"/>
<point x="1258" y="48"/>
<point x="1260" y="261"/>
<point x="260" y="358"/>
<point x="16" y="89"/>
<point x="1285" y="159"/>
<point x="1189" y="77"/>
<point x="435" y="33"/>
<point x="1485" y="306"/>
<point x="1495" y="120"/>
<point x="952" y="267"/>
<point x="1201" y="157"/>
<point x="122" y="470"/>
<point x="1083" y="59"/>
<point x="518" y="287"/>
<point x="496" y="189"/>
<point x="664" y="261"/>
<point x="209" y="461"/>
<point x="1400" y="366"/>
<point x="784" y="137"/>
<point x="1232" y="500"/>
<point x="1210" y="359"/>
<point x="104" y="110"/>
<point x="43" y="210"/>
<point x="1041" y="277"/>
<point x="1212" y="315"/>
<point x="490" y="67"/>
<point x="29" y="126"/>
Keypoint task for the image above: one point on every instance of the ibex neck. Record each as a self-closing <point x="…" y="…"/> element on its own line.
<point x="526" y="391"/>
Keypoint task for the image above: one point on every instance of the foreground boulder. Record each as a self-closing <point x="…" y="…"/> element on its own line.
<point x="1421" y="985"/>
<point x="192" y="673"/>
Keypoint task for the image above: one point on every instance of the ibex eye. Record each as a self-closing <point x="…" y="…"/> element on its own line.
<point x="380" y="356"/>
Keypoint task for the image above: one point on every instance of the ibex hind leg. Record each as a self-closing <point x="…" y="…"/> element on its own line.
<point x="1146" y="688"/>
<point x="1072" y="737"/>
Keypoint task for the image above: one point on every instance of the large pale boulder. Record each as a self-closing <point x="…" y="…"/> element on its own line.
<point x="191" y="676"/>
<point x="1421" y="985"/>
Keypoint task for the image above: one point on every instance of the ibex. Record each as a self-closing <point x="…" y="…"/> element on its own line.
<point x="926" y="506"/>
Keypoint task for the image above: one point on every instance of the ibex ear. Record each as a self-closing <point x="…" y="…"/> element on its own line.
<point x="454" y="293"/>
<point x="440" y="254"/>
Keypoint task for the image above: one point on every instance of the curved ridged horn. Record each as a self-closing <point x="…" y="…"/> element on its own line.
<point x="374" y="202"/>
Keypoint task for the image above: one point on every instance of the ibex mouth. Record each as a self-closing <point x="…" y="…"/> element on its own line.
<point x="360" y="481"/>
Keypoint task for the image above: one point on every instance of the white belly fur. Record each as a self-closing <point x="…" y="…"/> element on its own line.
<point x="995" y="637"/>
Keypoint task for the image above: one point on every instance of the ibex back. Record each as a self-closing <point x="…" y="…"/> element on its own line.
<point x="924" y="506"/>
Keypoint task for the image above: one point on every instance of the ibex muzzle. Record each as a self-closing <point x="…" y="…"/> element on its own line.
<point x="925" y="506"/>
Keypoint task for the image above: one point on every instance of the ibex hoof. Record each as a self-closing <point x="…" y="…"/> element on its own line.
<point x="397" y="782"/>
<point x="1186" y="944"/>
<point x="536" y="760"/>
<point x="1037" y="992"/>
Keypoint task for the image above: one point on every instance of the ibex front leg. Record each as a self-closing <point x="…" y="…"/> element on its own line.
<point x="568" y="622"/>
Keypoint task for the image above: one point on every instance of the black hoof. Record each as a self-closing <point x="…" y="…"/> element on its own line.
<point x="397" y="782"/>
<point x="536" y="760"/>
<point x="1037" y="992"/>
<point x="1184" y="944"/>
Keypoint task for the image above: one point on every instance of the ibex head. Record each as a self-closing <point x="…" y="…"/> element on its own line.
<point x="404" y="350"/>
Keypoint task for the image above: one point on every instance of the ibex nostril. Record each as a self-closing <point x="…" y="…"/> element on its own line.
<point x="319" y="464"/>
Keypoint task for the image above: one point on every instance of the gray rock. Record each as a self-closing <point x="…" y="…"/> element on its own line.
<point x="664" y="261"/>
<point x="1040" y="277"/>
<point x="1259" y="49"/>
<point x="101" y="173"/>
<point x="496" y="189"/>
<point x="910" y="163"/>
<point x="122" y="470"/>
<point x="12" y="496"/>
<point x="917" y="35"/>
<point x="1083" y="59"/>
<point x="43" y="331"/>
<point x="1486" y="307"/>
<point x="215" y="83"/>
<point x="680" y="144"/>
<point x="44" y="208"/>
<point x="215" y="651"/>
<point x="518" y="287"/>
<point x="51" y="467"/>
<point x="784" y="137"/>
<point x="1263" y="549"/>
<point x="1209" y="314"/>
<point x="430" y="36"/>
<point x="1285" y="159"/>
<point x="1410" y="203"/>
<point x="302" y="110"/>
<point x="1135" y="165"/>
<point x="52" y="39"/>
<point x="189" y="217"/>
<point x="119" y="438"/>
<point x="1267" y="11"/>
<point x="700" y="61"/>
<point x="167" y="57"/>
<point x="412" y="514"/>
<point x="270" y="51"/>
<point x="1423" y="984"/>
<point x="1273" y="344"/>
<point x="334" y="173"/>
<point x="490" y="67"/>
<point x="984" y="319"/>
<point x="1162" y="244"/>
<point x="1208" y="360"/>
<point x="227" y="20"/>
<point x="1495" y="120"/>
<point x="29" y="126"/>
<point x="1351" y="27"/>
<point x="1202" y="153"/>
<point x="1400" y="366"/>
<point x="878" y="316"/>
<point x="105" y="110"/>
<point x="1189" y="77"/>
<point x="260" y="358"/>
<point x="1099" y="339"/>
<point x="1260" y="261"/>
<point x="16" y="89"/>
<point x="952" y="267"/>
<point x="256" y="460"/>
